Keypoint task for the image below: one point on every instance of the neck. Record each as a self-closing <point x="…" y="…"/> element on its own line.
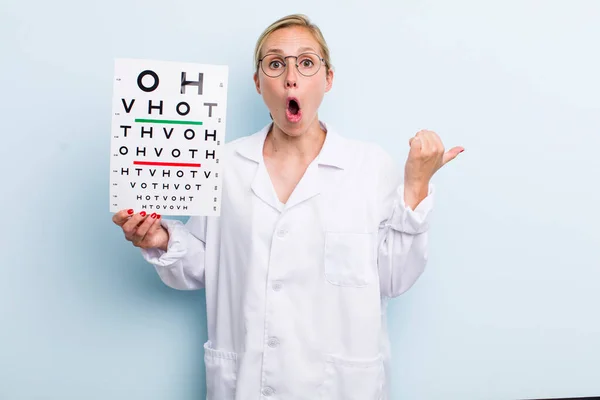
<point x="300" y="147"/>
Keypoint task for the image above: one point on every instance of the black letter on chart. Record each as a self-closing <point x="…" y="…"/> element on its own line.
<point x="212" y="135"/>
<point x="125" y="127"/>
<point x="128" y="107"/>
<point x="146" y="88"/>
<point x="168" y="135"/>
<point x="210" y="106"/>
<point x="185" y="82"/>
<point x="151" y="107"/>
<point x="187" y="108"/>
<point x="145" y="132"/>
<point x="191" y="135"/>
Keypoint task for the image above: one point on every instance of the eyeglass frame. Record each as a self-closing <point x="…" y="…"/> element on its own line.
<point x="285" y="64"/>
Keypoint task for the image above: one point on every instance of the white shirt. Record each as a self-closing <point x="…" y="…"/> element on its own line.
<point x="296" y="292"/>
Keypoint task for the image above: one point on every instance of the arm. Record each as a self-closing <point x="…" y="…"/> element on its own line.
<point x="403" y="234"/>
<point x="403" y="237"/>
<point x="182" y="265"/>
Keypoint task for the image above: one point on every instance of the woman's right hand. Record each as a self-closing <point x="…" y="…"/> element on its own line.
<point x="144" y="231"/>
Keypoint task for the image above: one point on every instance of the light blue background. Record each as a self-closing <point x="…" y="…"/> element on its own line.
<point x="508" y="307"/>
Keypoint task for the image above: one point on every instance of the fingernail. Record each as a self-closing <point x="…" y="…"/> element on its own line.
<point x="130" y="211"/>
<point x="143" y="213"/>
<point x="153" y="215"/>
<point x="157" y="215"/>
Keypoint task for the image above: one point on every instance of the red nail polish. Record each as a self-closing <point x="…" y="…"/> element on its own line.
<point x="130" y="211"/>
<point x="143" y="213"/>
<point x="158" y="216"/>
<point x="153" y="215"/>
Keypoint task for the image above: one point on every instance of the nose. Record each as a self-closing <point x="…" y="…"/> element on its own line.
<point x="291" y="77"/>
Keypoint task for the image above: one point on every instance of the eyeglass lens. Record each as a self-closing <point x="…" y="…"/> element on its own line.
<point x="274" y="64"/>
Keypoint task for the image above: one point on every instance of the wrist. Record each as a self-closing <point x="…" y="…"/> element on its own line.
<point x="164" y="245"/>
<point x="415" y="192"/>
<point x="416" y="185"/>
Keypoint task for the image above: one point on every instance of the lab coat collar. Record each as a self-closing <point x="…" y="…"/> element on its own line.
<point x="332" y="153"/>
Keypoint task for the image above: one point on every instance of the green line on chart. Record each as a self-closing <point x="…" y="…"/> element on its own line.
<point x="168" y="121"/>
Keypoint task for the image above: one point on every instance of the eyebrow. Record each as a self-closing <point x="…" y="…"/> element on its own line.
<point x="279" y="51"/>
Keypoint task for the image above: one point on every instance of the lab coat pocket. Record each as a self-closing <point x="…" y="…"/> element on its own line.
<point x="353" y="379"/>
<point x="350" y="259"/>
<point x="221" y="373"/>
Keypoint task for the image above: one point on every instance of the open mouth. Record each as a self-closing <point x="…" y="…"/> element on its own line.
<point x="293" y="111"/>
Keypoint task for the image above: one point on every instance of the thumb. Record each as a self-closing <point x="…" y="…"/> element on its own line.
<point x="451" y="154"/>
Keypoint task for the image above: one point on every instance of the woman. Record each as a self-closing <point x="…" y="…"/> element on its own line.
<point x="316" y="233"/>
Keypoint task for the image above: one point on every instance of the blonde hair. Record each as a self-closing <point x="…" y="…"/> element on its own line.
<point x="294" y="20"/>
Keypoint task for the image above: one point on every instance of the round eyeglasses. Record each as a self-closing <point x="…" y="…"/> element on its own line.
<point x="307" y="64"/>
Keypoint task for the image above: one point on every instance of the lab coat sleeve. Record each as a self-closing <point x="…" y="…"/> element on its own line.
<point x="182" y="265"/>
<point x="403" y="233"/>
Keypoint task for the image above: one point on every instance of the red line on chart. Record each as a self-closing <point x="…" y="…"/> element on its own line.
<point x="166" y="164"/>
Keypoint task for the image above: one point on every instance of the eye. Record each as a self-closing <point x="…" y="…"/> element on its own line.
<point x="275" y="64"/>
<point x="307" y="63"/>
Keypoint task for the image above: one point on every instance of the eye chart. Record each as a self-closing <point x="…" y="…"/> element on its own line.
<point x="167" y="137"/>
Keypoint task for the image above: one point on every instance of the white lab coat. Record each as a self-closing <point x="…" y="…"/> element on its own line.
<point x="296" y="292"/>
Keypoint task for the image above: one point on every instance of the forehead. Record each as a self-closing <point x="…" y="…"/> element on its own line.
<point x="290" y="40"/>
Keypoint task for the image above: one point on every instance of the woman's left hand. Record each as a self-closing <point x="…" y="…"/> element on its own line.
<point x="426" y="156"/>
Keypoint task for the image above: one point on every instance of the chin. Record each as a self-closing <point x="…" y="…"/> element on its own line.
<point x="293" y="128"/>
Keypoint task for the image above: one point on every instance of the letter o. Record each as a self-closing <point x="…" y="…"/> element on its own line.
<point x="187" y="111"/>
<point x="178" y="153"/>
<point x="141" y="84"/>
<point x="188" y="187"/>
<point x="121" y="150"/>
<point x="185" y="134"/>
<point x="180" y="174"/>
<point x="143" y="185"/>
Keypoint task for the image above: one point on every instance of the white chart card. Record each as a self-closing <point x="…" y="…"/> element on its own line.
<point x="167" y="137"/>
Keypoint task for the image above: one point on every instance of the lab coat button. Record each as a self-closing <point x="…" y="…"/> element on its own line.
<point x="277" y="286"/>
<point x="273" y="342"/>
<point x="282" y="233"/>
<point x="268" y="391"/>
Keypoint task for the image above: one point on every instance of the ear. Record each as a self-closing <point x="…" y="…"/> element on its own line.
<point x="329" y="80"/>
<point x="257" y="82"/>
